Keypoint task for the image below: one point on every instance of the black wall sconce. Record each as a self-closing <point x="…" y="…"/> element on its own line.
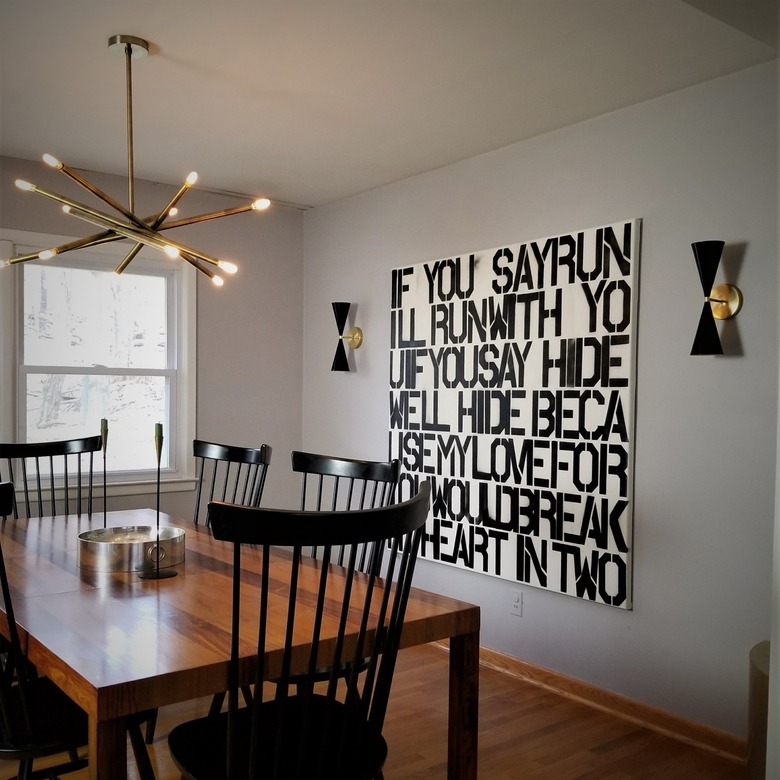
<point x="353" y="338"/>
<point x="721" y="302"/>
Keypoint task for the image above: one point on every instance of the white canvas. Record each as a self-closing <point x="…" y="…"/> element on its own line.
<point x="512" y="374"/>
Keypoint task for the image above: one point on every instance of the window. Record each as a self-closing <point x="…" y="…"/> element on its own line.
<point x="92" y="344"/>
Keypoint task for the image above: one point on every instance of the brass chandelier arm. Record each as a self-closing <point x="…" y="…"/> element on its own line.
<point x="89" y="187"/>
<point x="206" y="271"/>
<point x="158" y="220"/>
<point x="104" y="237"/>
<point x="214" y="215"/>
<point x="96" y="239"/>
<point x="23" y="258"/>
<point x="161" y="217"/>
<point x="128" y="258"/>
<point x="82" y="243"/>
<point x="106" y="220"/>
<point x="125" y="231"/>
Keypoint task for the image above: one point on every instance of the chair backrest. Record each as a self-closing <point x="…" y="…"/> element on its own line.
<point x="56" y="477"/>
<point x="334" y="483"/>
<point x="339" y="616"/>
<point x="228" y="473"/>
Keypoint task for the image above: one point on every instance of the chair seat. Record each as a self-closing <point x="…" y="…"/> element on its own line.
<point x="60" y="725"/>
<point x="308" y="746"/>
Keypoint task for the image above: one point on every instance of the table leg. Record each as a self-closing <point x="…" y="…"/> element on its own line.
<point x="107" y="749"/>
<point x="464" y="707"/>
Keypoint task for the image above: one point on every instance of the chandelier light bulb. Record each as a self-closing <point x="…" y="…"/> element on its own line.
<point x="171" y="251"/>
<point x="261" y="203"/>
<point x="227" y="266"/>
<point x="191" y="179"/>
<point x="51" y="160"/>
<point x="25" y="185"/>
<point x="47" y="254"/>
<point x="217" y="281"/>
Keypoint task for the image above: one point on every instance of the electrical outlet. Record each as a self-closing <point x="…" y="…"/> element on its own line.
<point x="516" y="604"/>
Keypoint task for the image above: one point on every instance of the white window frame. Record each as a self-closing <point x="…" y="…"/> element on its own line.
<point x="180" y="474"/>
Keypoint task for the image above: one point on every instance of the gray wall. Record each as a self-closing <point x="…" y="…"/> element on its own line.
<point x="698" y="164"/>
<point x="249" y="334"/>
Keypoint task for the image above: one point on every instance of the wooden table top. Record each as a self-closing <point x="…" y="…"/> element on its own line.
<point x="118" y="644"/>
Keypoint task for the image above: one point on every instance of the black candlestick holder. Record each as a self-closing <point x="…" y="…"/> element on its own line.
<point x="156" y="573"/>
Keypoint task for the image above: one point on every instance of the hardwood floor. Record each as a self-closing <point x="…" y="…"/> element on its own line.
<point x="525" y="732"/>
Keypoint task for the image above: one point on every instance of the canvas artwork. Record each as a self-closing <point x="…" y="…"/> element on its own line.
<point x="512" y="387"/>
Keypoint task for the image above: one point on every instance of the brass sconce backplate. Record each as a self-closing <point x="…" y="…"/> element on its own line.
<point x="353" y="337"/>
<point x="725" y="301"/>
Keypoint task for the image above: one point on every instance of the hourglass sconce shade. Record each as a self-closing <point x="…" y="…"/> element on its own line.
<point x="721" y="302"/>
<point x="353" y="338"/>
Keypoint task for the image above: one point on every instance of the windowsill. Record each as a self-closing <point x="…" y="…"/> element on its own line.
<point x="130" y="488"/>
<point x="141" y="487"/>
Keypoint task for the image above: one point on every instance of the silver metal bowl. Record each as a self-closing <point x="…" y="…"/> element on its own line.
<point x="130" y="548"/>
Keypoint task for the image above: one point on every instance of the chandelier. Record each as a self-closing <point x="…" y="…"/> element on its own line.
<point x="141" y="231"/>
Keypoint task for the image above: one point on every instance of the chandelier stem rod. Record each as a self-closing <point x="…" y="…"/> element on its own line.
<point x="130" y="174"/>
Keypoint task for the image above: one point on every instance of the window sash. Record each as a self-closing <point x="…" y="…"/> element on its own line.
<point x="179" y="375"/>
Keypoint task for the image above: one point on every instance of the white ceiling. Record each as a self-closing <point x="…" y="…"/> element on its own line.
<point x="309" y="102"/>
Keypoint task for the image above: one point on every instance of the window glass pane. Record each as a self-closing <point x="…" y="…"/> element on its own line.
<point x="69" y="406"/>
<point x="88" y="317"/>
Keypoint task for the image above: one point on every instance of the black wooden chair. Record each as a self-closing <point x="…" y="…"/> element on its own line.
<point x="36" y="719"/>
<point x="229" y="473"/>
<point x="334" y="483"/>
<point x="55" y="477"/>
<point x="333" y="730"/>
<point x="233" y="474"/>
<point x="343" y="484"/>
<point x="225" y="473"/>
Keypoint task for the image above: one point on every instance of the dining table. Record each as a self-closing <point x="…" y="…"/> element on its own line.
<point x="119" y="644"/>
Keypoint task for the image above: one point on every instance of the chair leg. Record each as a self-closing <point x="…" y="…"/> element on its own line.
<point x="216" y="704"/>
<point x="26" y="771"/>
<point x="140" y="752"/>
<point x="219" y="700"/>
<point x="151" y="725"/>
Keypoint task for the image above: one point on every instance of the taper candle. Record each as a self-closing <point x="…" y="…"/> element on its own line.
<point x="158" y="440"/>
